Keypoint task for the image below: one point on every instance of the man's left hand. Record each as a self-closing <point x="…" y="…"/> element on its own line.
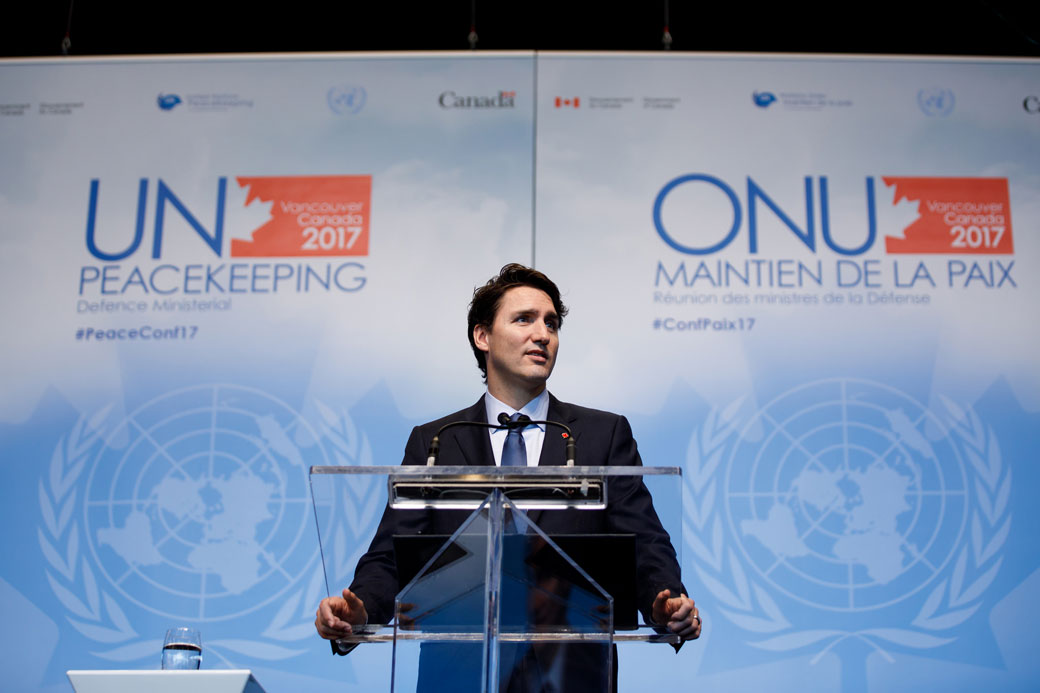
<point x="678" y="614"/>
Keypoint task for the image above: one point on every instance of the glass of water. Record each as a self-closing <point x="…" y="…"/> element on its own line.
<point x="182" y="649"/>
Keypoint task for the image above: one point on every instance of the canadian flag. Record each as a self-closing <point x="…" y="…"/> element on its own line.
<point x="562" y="102"/>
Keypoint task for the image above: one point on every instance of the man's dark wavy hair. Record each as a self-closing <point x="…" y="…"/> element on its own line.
<point x="487" y="299"/>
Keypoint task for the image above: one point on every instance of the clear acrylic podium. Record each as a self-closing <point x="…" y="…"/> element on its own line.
<point x="496" y="604"/>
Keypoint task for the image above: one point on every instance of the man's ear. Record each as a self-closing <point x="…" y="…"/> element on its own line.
<point x="480" y="337"/>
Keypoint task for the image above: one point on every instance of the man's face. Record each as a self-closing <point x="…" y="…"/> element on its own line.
<point x="523" y="340"/>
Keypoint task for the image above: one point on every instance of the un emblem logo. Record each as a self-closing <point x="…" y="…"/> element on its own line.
<point x="842" y="502"/>
<point x="195" y="508"/>
<point x="936" y="101"/>
<point x="198" y="507"/>
<point x="346" y="99"/>
<point x="841" y="497"/>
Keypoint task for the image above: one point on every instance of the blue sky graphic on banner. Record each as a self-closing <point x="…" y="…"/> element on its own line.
<point x="807" y="282"/>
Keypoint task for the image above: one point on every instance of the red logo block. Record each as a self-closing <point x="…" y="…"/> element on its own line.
<point x="311" y="216"/>
<point x="957" y="216"/>
<point x="570" y="103"/>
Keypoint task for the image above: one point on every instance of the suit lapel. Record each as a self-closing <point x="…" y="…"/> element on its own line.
<point x="468" y="445"/>
<point x="554" y="445"/>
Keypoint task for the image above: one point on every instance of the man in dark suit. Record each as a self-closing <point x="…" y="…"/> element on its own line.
<point x="513" y="325"/>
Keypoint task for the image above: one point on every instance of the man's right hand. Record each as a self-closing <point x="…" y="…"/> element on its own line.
<point x="337" y="616"/>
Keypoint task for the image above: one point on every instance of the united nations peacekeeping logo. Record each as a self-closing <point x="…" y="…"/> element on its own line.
<point x="196" y="508"/>
<point x="842" y="497"/>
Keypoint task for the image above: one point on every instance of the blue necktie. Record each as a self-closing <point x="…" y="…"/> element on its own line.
<point x="514" y="452"/>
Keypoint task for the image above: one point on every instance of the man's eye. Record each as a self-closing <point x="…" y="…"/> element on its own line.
<point x="551" y="326"/>
<point x="523" y="318"/>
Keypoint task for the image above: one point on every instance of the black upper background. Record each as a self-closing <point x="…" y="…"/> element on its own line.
<point x="119" y="27"/>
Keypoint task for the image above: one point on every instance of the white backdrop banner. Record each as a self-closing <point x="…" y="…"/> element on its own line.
<point x="220" y="272"/>
<point x="807" y="281"/>
<point x="810" y="282"/>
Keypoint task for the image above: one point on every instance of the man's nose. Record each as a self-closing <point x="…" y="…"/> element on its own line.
<point x="541" y="333"/>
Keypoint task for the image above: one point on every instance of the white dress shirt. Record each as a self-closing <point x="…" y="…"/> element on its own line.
<point x="537" y="409"/>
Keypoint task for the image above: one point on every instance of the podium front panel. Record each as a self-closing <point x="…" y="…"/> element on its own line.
<point x="497" y="602"/>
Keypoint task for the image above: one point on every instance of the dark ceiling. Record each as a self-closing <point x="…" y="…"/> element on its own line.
<point x="119" y="27"/>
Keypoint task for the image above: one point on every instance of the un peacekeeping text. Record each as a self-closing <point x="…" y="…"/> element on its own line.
<point x="224" y="278"/>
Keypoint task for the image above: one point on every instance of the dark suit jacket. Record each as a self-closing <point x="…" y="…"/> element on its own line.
<point x="601" y="438"/>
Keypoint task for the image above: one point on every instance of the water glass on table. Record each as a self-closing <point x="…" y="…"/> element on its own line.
<point x="182" y="649"/>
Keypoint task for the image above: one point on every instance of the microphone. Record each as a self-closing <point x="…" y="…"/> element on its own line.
<point x="523" y="421"/>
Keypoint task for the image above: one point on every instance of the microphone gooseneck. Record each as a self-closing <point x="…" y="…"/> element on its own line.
<point x="435" y="444"/>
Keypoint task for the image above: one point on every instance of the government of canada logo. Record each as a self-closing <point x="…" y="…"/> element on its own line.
<point x="503" y="99"/>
